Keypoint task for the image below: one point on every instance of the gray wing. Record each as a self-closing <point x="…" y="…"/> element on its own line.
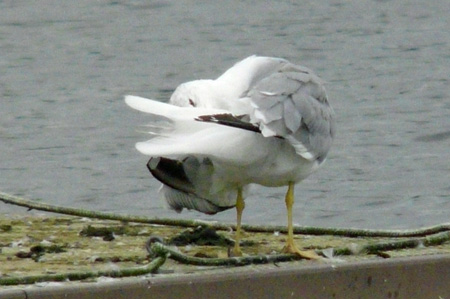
<point x="292" y="104"/>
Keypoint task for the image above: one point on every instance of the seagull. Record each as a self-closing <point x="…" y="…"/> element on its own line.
<point x="264" y="121"/>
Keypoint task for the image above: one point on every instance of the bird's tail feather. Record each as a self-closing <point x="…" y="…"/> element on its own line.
<point x="169" y="111"/>
<point x="179" y="200"/>
<point x="188" y="184"/>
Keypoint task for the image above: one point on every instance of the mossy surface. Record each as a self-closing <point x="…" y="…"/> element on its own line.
<point x="46" y="245"/>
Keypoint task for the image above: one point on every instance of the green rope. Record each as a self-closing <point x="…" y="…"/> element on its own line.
<point x="33" y="205"/>
<point x="347" y="232"/>
<point x="151" y="267"/>
<point x="431" y="240"/>
<point x="158" y="249"/>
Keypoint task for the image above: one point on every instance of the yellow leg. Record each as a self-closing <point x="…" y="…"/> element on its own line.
<point x="240" y="205"/>
<point x="290" y="245"/>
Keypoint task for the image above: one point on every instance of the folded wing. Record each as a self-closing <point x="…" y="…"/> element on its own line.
<point x="292" y="104"/>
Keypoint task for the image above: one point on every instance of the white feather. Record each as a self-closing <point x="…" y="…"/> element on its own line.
<point x="257" y="88"/>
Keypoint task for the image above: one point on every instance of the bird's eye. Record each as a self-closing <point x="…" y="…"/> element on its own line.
<point x="191" y="102"/>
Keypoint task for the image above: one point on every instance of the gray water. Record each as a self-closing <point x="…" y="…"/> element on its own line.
<point x="67" y="138"/>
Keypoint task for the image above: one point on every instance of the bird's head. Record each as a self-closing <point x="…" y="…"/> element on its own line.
<point x="196" y="93"/>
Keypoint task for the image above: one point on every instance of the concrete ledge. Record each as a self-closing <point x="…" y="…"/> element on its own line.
<point x="412" y="277"/>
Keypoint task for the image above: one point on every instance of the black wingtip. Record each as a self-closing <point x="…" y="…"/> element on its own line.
<point x="171" y="173"/>
<point x="230" y="120"/>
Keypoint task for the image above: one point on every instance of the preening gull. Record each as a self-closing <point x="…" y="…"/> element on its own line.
<point x="264" y="121"/>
